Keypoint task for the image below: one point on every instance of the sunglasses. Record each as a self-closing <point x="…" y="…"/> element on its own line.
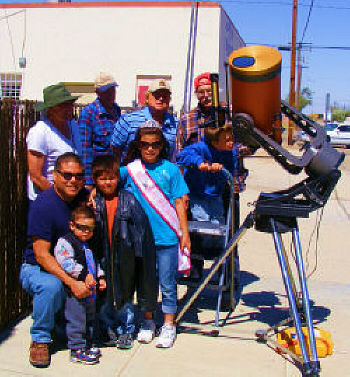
<point x="154" y="145"/>
<point x="84" y="228"/>
<point x="68" y="176"/>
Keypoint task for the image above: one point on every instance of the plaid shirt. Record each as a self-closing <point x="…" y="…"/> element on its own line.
<point x="126" y="127"/>
<point x="96" y="126"/>
<point x="189" y="132"/>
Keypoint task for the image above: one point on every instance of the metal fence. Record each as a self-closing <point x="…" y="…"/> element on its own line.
<point x="16" y="117"/>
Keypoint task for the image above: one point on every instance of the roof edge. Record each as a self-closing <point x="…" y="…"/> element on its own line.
<point x="149" y="4"/>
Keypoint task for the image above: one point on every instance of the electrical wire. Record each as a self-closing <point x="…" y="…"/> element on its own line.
<point x="306" y="46"/>
<point x="307" y="22"/>
<point x="341" y="205"/>
<point x="286" y="3"/>
<point x="317" y="230"/>
<point x="11" y="40"/>
<point x="24" y="32"/>
<point x="12" y="14"/>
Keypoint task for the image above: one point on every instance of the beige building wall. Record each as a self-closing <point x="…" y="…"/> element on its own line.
<point x="73" y="42"/>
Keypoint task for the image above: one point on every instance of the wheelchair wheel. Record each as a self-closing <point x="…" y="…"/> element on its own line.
<point x="231" y="296"/>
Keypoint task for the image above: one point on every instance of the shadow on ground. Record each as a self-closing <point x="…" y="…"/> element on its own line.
<point x="266" y="306"/>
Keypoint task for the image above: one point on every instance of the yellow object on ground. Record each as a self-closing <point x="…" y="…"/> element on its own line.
<point x="288" y="338"/>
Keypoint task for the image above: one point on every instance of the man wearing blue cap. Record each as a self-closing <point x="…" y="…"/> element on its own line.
<point x="96" y="123"/>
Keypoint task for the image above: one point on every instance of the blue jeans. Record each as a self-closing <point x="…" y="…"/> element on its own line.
<point x="166" y="259"/>
<point x="81" y="322"/>
<point x="48" y="297"/>
<point x="121" y="321"/>
<point x="207" y="208"/>
<point x="211" y="209"/>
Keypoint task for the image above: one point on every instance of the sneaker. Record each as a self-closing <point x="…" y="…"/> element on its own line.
<point x="167" y="336"/>
<point x="39" y="355"/>
<point x="111" y="340"/>
<point x="147" y="331"/>
<point x="125" y="341"/>
<point x="82" y="356"/>
<point x="94" y="351"/>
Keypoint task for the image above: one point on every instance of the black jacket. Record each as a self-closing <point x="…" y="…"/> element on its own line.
<point x="131" y="237"/>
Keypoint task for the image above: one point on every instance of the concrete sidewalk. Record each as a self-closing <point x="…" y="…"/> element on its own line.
<point x="235" y="352"/>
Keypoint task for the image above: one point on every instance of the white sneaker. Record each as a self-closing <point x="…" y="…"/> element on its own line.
<point x="147" y="331"/>
<point x="167" y="336"/>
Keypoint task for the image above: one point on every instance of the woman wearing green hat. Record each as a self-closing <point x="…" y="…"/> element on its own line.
<point x="55" y="134"/>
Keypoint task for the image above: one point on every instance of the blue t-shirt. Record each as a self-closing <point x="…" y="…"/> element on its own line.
<point x="169" y="178"/>
<point x="48" y="219"/>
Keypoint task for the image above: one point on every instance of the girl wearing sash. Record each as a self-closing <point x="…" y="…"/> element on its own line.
<point x="159" y="186"/>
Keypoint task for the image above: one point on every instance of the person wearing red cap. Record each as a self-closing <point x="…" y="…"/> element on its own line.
<point x="188" y="131"/>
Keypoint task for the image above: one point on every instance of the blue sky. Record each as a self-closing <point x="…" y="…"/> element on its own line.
<point x="270" y="22"/>
<point x="326" y="70"/>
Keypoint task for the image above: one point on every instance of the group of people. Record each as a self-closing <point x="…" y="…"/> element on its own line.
<point x="108" y="213"/>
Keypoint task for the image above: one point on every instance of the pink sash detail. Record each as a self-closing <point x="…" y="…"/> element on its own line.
<point x="154" y="195"/>
<point x="161" y="204"/>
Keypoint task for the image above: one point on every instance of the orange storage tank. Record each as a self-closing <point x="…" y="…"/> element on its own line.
<point x="256" y="86"/>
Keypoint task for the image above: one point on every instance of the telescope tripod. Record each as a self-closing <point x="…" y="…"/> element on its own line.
<point x="276" y="215"/>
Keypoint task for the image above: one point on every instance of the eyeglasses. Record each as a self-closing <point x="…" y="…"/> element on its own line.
<point x="84" y="228"/>
<point x="202" y="92"/>
<point x="154" y="145"/>
<point x="68" y="176"/>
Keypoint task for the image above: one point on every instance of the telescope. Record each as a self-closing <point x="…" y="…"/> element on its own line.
<point x="255" y="109"/>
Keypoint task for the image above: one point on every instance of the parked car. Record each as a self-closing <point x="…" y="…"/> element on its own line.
<point x="331" y="126"/>
<point x="340" y="135"/>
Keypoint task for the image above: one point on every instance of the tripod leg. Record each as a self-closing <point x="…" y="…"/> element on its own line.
<point x="248" y="223"/>
<point x="289" y="290"/>
<point x="306" y="302"/>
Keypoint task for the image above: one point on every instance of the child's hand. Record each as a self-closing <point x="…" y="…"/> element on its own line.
<point x="185" y="242"/>
<point x="91" y="200"/>
<point x="204" y="166"/>
<point x="215" y="167"/>
<point x="90" y="282"/>
<point x="102" y="284"/>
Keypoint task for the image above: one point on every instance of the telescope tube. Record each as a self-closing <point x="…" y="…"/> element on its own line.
<point x="255" y="73"/>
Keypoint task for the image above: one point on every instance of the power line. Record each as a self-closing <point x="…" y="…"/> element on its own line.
<point x="308" y="46"/>
<point x="307" y="21"/>
<point x="257" y="2"/>
<point x="10" y="15"/>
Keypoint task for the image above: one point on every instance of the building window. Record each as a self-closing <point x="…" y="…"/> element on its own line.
<point x="11" y="84"/>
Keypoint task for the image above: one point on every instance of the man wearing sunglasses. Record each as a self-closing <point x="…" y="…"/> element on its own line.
<point x="157" y="106"/>
<point x="41" y="276"/>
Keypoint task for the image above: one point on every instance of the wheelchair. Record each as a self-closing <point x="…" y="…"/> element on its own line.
<point x="227" y="281"/>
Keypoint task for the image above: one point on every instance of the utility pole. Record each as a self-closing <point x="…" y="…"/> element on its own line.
<point x="300" y="68"/>
<point x="292" y="69"/>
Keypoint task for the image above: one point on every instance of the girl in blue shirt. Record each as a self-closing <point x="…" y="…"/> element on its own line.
<point x="150" y="146"/>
